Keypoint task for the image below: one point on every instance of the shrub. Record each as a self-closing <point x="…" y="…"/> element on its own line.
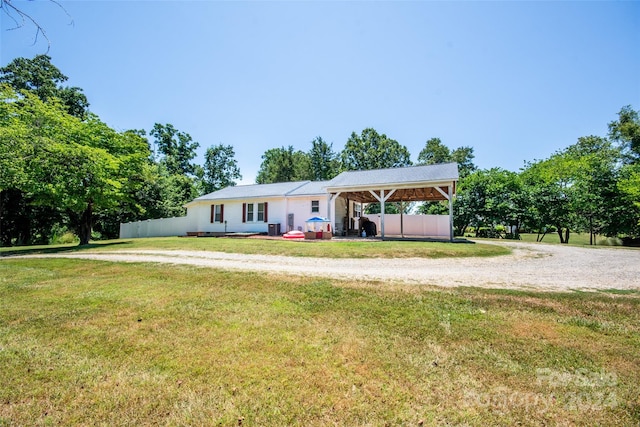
<point x="65" y="237"/>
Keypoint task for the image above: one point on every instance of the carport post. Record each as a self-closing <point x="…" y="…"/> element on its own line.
<point x="449" y="196"/>
<point x="382" y="214"/>
<point x="382" y="198"/>
<point x="451" y="212"/>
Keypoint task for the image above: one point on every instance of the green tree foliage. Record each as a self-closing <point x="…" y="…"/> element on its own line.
<point x="40" y="77"/>
<point x="550" y="183"/>
<point x="577" y="189"/>
<point x="598" y="203"/>
<point x="435" y="152"/>
<point x="629" y="185"/>
<point x="490" y="198"/>
<point x="175" y="149"/>
<point x="132" y="205"/>
<point x="220" y="168"/>
<point x="626" y="131"/>
<point x="464" y="156"/>
<point x="180" y="176"/>
<point x="75" y="166"/>
<point x="325" y="164"/>
<point x="370" y="150"/>
<point x="284" y="165"/>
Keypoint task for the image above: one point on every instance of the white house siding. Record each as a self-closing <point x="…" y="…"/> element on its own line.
<point x="233" y="216"/>
<point x="300" y="207"/>
<point x="198" y="218"/>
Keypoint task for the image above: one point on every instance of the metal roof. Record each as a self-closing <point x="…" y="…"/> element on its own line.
<point x="310" y="188"/>
<point x="395" y="176"/>
<point x="412" y="182"/>
<point x="257" y="191"/>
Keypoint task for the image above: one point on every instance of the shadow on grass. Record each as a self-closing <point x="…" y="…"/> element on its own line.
<point x="30" y="250"/>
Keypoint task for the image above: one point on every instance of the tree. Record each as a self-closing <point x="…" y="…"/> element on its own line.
<point x="324" y="161"/>
<point x="435" y="152"/>
<point x="132" y="205"/>
<point x="629" y="187"/>
<point x="220" y="168"/>
<point x="626" y="131"/>
<point x="597" y="200"/>
<point x="74" y="166"/>
<point x="176" y="149"/>
<point x="576" y="189"/>
<point x="464" y="156"/>
<point x="19" y="216"/>
<point x="550" y="182"/>
<point x="40" y="77"/>
<point x="370" y="150"/>
<point x="469" y="204"/>
<point x="284" y="165"/>
<point x="488" y="199"/>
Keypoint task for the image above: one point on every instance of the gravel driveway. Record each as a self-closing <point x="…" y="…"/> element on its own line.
<point x="530" y="266"/>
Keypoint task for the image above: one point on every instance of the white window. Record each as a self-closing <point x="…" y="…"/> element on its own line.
<point x="260" y="211"/>
<point x="357" y="210"/>
<point x="217" y="217"/>
<point x="315" y="206"/>
<point x="250" y="212"/>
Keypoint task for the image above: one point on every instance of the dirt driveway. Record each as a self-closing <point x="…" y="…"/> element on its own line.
<point x="530" y="266"/>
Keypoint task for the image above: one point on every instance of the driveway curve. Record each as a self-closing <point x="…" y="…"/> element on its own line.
<point x="530" y="266"/>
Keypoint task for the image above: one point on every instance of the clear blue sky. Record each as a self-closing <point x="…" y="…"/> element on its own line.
<point x="515" y="80"/>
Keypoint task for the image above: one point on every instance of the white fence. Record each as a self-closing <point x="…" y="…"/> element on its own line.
<point x="414" y="225"/>
<point x="155" y="228"/>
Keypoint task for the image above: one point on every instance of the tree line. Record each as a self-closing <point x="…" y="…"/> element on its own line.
<point x="62" y="171"/>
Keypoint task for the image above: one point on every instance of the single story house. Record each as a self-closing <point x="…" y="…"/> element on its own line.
<point x="281" y="207"/>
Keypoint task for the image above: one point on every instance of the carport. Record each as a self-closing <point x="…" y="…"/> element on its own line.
<point x="408" y="184"/>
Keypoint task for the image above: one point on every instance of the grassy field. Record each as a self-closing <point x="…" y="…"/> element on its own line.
<point x="324" y="249"/>
<point x="575" y="239"/>
<point x="98" y="343"/>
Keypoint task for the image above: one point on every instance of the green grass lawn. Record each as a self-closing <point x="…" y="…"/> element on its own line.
<point x="575" y="239"/>
<point x="98" y="343"/>
<point x="324" y="249"/>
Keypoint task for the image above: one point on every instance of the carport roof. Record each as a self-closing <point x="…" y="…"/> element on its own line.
<point x="412" y="183"/>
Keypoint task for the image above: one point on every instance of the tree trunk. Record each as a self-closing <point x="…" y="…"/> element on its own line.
<point x="539" y="237"/>
<point x="566" y="235"/>
<point x="84" y="229"/>
<point x="560" y="234"/>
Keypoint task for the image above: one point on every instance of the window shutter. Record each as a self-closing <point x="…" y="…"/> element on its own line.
<point x="221" y="213"/>
<point x="265" y="211"/>
<point x="244" y="212"/>
<point x="213" y="213"/>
